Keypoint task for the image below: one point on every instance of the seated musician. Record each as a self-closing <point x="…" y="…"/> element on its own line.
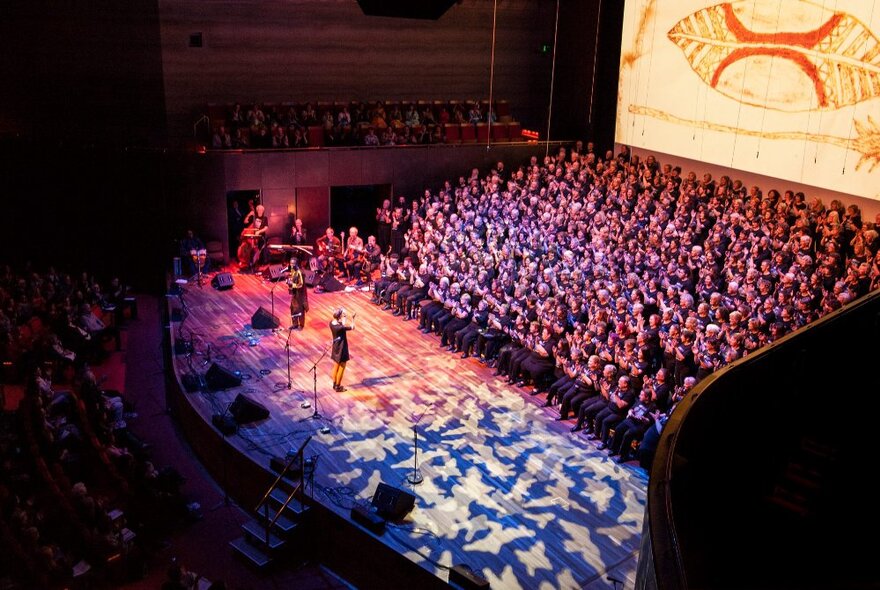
<point x="190" y="248"/>
<point x="372" y="256"/>
<point x="298" y="237"/>
<point x="354" y="256"/>
<point x="329" y="251"/>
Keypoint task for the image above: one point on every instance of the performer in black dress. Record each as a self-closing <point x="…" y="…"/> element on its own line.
<point x="339" y="329"/>
<point x="299" y="298"/>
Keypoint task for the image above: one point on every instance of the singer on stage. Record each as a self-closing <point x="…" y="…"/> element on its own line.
<point x="299" y="298"/>
<point x="339" y="329"/>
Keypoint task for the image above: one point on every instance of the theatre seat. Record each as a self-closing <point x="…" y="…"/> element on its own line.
<point x="500" y="132"/>
<point x="482" y="132"/>
<point x="515" y="131"/>
<point x="316" y="136"/>
<point x="468" y="133"/>
<point x="452" y="131"/>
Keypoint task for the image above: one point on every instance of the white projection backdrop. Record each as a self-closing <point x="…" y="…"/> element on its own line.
<point x="784" y="88"/>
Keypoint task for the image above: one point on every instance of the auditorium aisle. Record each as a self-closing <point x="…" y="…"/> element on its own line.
<point x="201" y="545"/>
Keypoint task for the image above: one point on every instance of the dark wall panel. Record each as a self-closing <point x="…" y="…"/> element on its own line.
<point x="312" y="168"/>
<point x="85" y="73"/>
<point x="280" y="208"/>
<point x="377" y="167"/>
<point x="313" y="205"/>
<point x="346" y="168"/>
<point x="244" y="172"/>
<point x="278" y="170"/>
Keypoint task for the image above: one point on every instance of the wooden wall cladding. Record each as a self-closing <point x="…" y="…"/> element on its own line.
<point x="297" y="50"/>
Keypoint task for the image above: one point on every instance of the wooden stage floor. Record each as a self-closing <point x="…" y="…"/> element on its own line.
<point x="507" y="489"/>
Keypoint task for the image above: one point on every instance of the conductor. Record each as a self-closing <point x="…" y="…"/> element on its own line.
<point x="339" y="329"/>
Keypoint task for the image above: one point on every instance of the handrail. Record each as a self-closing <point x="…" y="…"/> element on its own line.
<point x="286" y="502"/>
<point x="283" y="473"/>
<point x="263" y="501"/>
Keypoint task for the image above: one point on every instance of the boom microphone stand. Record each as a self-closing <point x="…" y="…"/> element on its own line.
<point x="415" y="478"/>
<point x="314" y="369"/>
<point x="287" y="347"/>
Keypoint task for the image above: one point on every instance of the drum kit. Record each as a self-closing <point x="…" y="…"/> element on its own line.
<point x="199" y="257"/>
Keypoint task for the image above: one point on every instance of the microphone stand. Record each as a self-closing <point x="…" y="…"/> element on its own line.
<point x="415" y="478"/>
<point x="287" y="347"/>
<point x="314" y="369"/>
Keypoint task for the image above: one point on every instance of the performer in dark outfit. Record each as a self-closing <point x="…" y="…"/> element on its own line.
<point x="299" y="298"/>
<point x="339" y="329"/>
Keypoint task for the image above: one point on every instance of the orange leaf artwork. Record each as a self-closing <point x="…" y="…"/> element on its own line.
<point x="789" y="55"/>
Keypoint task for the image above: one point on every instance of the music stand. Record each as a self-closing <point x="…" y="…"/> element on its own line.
<point x="415" y="478"/>
<point x="316" y="415"/>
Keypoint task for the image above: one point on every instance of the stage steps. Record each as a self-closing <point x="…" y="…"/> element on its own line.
<point x="284" y="533"/>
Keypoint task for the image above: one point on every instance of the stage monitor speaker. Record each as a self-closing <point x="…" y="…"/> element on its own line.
<point x="424" y="9"/>
<point x="368" y="519"/>
<point x="329" y="283"/>
<point x="193" y="383"/>
<point x="218" y="378"/>
<point x="245" y="410"/>
<point x="222" y="281"/>
<point x="182" y="347"/>
<point x="225" y="424"/>
<point x="464" y="577"/>
<point x="263" y="320"/>
<point x="392" y="503"/>
<point x="274" y="271"/>
<point x="310" y="277"/>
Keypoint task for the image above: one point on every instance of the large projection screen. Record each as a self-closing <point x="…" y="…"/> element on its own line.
<point x="787" y="89"/>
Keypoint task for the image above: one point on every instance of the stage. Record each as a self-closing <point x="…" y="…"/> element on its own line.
<point x="507" y="489"/>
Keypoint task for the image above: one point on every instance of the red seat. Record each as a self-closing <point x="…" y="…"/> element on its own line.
<point x="515" y="131"/>
<point x="316" y="136"/>
<point x="468" y="133"/>
<point x="452" y="132"/>
<point x="482" y="132"/>
<point x="502" y="108"/>
<point x="500" y="132"/>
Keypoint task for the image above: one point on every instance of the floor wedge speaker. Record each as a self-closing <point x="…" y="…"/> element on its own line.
<point x="462" y="576"/>
<point x="263" y="320"/>
<point x="218" y="378"/>
<point x="330" y="284"/>
<point x="222" y="281"/>
<point x="274" y="271"/>
<point x="310" y="277"/>
<point x="392" y="503"/>
<point x="225" y="424"/>
<point x="245" y="410"/>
